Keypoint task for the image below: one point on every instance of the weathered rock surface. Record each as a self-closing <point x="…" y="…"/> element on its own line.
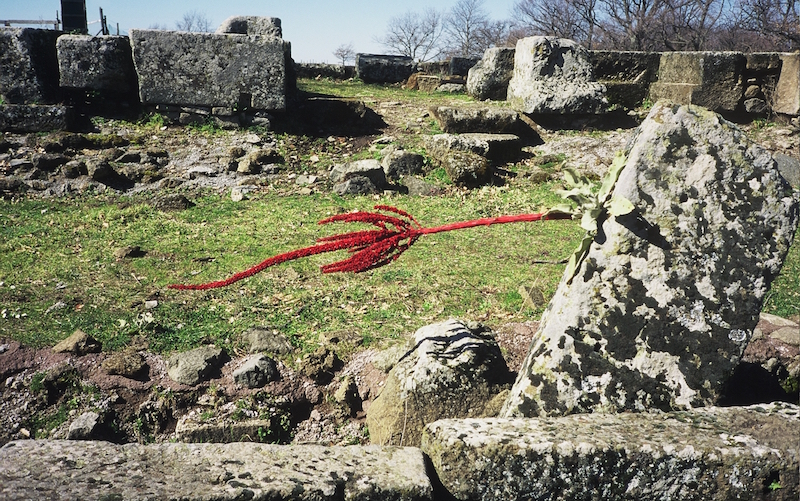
<point x="211" y="70"/>
<point x="256" y="371"/>
<point x="495" y="147"/>
<point x="489" y="78"/>
<point x="193" y="472"/>
<point x="554" y="76"/>
<point x="252" y="25"/>
<point x="28" y="66"/>
<point x="399" y="162"/>
<point x="368" y="168"/>
<point x="663" y="305"/>
<point x="376" y="68"/>
<point x="787" y="92"/>
<point x="193" y="366"/>
<point x="712" y="454"/>
<point x="451" y="371"/>
<point x="96" y="63"/>
<point x="491" y="120"/>
<point x="78" y="343"/>
<point x="34" y="118"/>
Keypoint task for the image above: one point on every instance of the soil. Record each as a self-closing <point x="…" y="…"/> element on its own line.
<point x="44" y="392"/>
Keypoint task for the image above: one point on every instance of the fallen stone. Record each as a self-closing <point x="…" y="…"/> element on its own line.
<point x="195" y="472"/>
<point x="495" y="147"/>
<point x="357" y="185"/>
<point x="368" y="168"/>
<point x="83" y="426"/>
<point x="252" y="25"/>
<point x="399" y="162"/>
<point x="34" y="118"/>
<point x="460" y="66"/>
<point x="660" y="310"/>
<point x="211" y="70"/>
<point x="78" y="343"/>
<point x="419" y="188"/>
<point x="452" y="371"/>
<point x="96" y="63"/>
<point x="451" y="88"/>
<point x="129" y="364"/>
<point x="712" y="454"/>
<point x="489" y="78"/>
<point x="256" y="371"/>
<point x="266" y="340"/>
<point x="491" y="120"/>
<point x="554" y="76"/>
<point x="194" y="366"/>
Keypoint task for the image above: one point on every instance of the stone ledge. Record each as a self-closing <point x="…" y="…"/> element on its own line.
<point x="68" y="470"/>
<point x="710" y="453"/>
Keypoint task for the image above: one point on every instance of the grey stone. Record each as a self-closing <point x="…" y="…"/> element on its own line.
<point x="398" y="163"/>
<point x="368" y="168"/>
<point x="96" y="63"/>
<point x="376" y="68"/>
<point x="466" y="168"/>
<point x="451" y="88"/>
<point x="257" y="371"/>
<point x="489" y="78"/>
<point x="264" y="339"/>
<point x="252" y="25"/>
<point x="662" y="306"/>
<point x="357" y="185"/>
<point x="225" y="472"/>
<point x="491" y="120"/>
<point x="711" y="454"/>
<point x="787" y="92"/>
<point x="194" y="366"/>
<point x="627" y="75"/>
<point x="419" y="188"/>
<point x="709" y="79"/>
<point x="28" y="66"/>
<point x="83" y="426"/>
<point x="461" y="65"/>
<point x="201" y="171"/>
<point x="495" y="147"/>
<point x="129" y="364"/>
<point x="211" y="70"/>
<point x="451" y="371"/>
<point x="554" y="76"/>
<point x="78" y="343"/>
<point x="34" y="118"/>
<point x="756" y="106"/>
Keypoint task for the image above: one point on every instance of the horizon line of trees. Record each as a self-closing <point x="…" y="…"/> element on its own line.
<point x="467" y="30"/>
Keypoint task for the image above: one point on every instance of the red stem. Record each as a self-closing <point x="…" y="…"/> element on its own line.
<point x="487" y="221"/>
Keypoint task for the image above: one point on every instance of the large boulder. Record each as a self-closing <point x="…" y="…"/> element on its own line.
<point x="211" y="70"/>
<point x="452" y="371"/>
<point x="554" y="76"/>
<point x="661" y="308"/>
<point x="489" y="78"/>
<point x="96" y="63"/>
<point x="709" y="79"/>
<point x="711" y="454"/>
<point x="28" y="66"/>
<point x="377" y="68"/>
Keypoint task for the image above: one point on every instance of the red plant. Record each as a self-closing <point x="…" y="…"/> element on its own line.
<point x="396" y="231"/>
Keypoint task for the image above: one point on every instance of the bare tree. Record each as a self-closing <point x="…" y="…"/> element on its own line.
<point x="194" y="21"/>
<point x="573" y="19"/>
<point x="462" y="28"/>
<point x="157" y="26"/>
<point x="496" y="34"/>
<point x="633" y="24"/>
<point x="778" y="21"/>
<point x="345" y="53"/>
<point x="414" y="35"/>
<point x="690" y="25"/>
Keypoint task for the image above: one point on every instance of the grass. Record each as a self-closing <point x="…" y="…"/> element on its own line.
<point x="59" y="272"/>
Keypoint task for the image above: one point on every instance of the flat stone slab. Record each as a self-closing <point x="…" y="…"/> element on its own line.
<point x="710" y="453"/>
<point x="33" y="469"/>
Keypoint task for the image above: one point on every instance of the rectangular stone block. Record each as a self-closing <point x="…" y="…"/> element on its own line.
<point x="34" y="118"/>
<point x="28" y="66"/>
<point x="377" y="68"/>
<point x="787" y="92"/>
<point x="60" y="469"/>
<point x="206" y="69"/>
<point x="96" y="63"/>
<point x="717" y="75"/>
<point x="711" y="454"/>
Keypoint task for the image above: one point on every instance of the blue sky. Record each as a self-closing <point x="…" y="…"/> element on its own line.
<point x="314" y="27"/>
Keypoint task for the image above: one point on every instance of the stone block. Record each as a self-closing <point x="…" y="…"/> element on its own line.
<point x="711" y="454"/>
<point x="28" y="66"/>
<point x="376" y="68"/>
<point x="661" y="307"/>
<point x="60" y="469"/>
<point x="713" y="80"/>
<point x="489" y="77"/>
<point x="787" y="92"/>
<point x="96" y="63"/>
<point x="33" y="118"/>
<point x="428" y="83"/>
<point x="492" y="120"/>
<point x="461" y="65"/>
<point x="211" y="70"/>
<point x="252" y="25"/>
<point x="554" y="76"/>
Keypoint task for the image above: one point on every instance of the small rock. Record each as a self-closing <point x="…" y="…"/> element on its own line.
<point x="320" y="365"/>
<point x="263" y="339"/>
<point x="257" y="371"/>
<point x="174" y="201"/>
<point x="128" y="364"/>
<point x="201" y="171"/>
<point x="194" y="366"/>
<point x="79" y="343"/>
<point x="83" y="426"/>
<point x="347" y="395"/>
<point x="129" y="252"/>
<point x="358" y="185"/>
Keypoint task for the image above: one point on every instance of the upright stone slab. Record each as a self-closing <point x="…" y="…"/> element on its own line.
<point x="787" y="92"/>
<point x="662" y="307"/>
<point x="211" y="70"/>
<point x="96" y="63"/>
<point x="708" y="454"/>
<point x="488" y="79"/>
<point x="28" y="66"/>
<point x="554" y="76"/>
<point x="709" y="79"/>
